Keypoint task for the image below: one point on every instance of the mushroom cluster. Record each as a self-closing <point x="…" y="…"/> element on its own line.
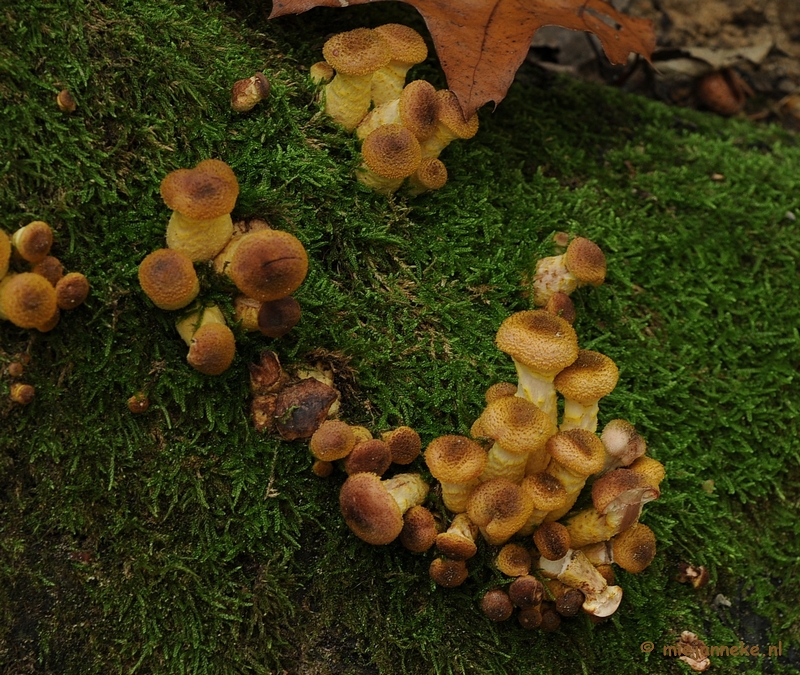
<point x="34" y="287"/>
<point x="265" y="265"/>
<point x="534" y="478"/>
<point x="403" y="127"/>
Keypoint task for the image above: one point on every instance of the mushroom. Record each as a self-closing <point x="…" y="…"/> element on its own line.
<point x="407" y="48"/>
<point x="138" y="403"/>
<point x="202" y="200"/>
<point x="33" y="241"/>
<point x="21" y="393"/>
<point x="27" y="300"/>
<point x="390" y="155"/>
<point x="499" y="508"/>
<point x="456" y="462"/>
<point x="71" y="290"/>
<point x="583" y="263"/>
<point x="355" y="55"/>
<point x="373" y="508"/>
<point x="211" y="343"/>
<point x="632" y="549"/>
<point x="500" y="390"/>
<point x="416" y="109"/>
<point x="526" y="591"/>
<point x="541" y="344"/>
<point x="66" y="101"/>
<point x="651" y="470"/>
<point x="549" y="618"/>
<point x="448" y="573"/>
<point x="582" y="384"/>
<point x="5" y="253"/>
<point x="530" y="618"/>
<point x="450" y="125"/>
<point x="332" y="440"/>
<point x="167" y="276"/>
<point x="321" y="72"/>
<point x="496" y="605"/>
<point x="277" y="317"/>
<point x="247" y="93"/>
<point x="548" y="495"/>
<point x="552" y="539"/>
<point x="458" y="542"/>
<point x="404" y="444"/>
<point x="568" y="601"/>
<point x="321" y="468"/>
<point x="50" y="268"/>
<point x="520" y="431"/>
<point x="370" y="456"/>
<point x="623" y="444"/>
<point x="430" y="175"/>
<point x="419" y="529"/>
<point x="575" y="570"/>
<point x="561" y="305"/>
<point x="576" y="455"/>
<point x="513" y="560"/>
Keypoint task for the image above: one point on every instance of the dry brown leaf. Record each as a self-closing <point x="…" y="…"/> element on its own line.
<point x="481" y="43"/>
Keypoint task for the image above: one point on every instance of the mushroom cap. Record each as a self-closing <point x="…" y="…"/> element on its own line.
<point x="212" y="349"/>
<point x="168" y="278"/>
<point x="50" y="267"/>
<point x="561" y="305"/>
<point x="33" y="241"/>
<point x="650" y="469"/>
<point x="333" y="440"/>
<point x="391" y="151"/>
<point x="405" y="44"/>
<point x="357" y="52"/>
<point x="431" y="173"/>
<point x="500" y="508"/>
<point x="205" y="192"/>
<point x="621" y="487"/>
<point x="404" y="444"/>
<point x="448" y="573"/>
<point x="5" y="253"/>
<point x="369" y="509"/>
<point x="622" y="442"/>
<point x="516" y="424"/>
<point x="550" y="619"/>
<point x="370" y="456"/>
<point x="496" y="605"/>
<point x="526" y="591"/>
<point x="452" y="117"/>
<point x="500" y="390"/>
<point x="321" y="72"/>
<point x="456" y="546"/>
<point x="590" y="377"/>
<point x="455" y="459"/>
<point x="539" y="340"/>
<point x="419" y="110"/>
<point x="552" y="539"/>
<point x="268" y="264"/>
<point x="569" y="603"/>
<point x="278" y="317"/>
<point x="419" y="529"/>
<point x="27" y="300"/>
<point x="586" y="261"/>
<point x="513" y="560"/>
<point x="546" y="491"/>
<point x="22" y="393"/>
<point x="322" y="468"/>
<point x="580" y="451"/>
<point x="634" y="548"/>
<point x="72" y="290"/>
<point x="530" y="618"/>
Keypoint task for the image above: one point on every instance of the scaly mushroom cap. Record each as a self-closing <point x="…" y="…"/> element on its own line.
<point x="552" y="540"/>
<point x="526" y="591"/>
<point x="71" y="290"/>
<point x="539" y="340"/>
<point x="268" y="264"/>
<point x="27" y="300"/>
<point x="405" y="44"/>
<point x="499" y="508"/>
<point x="370" y="456"/>
<point x="513" y="560"/>
<point x="620" y="488"/>
<point x="586" y="261"/>
<point x="622" y="442"/>
<point x="205" y="192"/>
<point x="391" y="151"/>
<point x="321" y="72"/>
<point x="169" y="279"/>
<point x="496" y="605"/>
<point x="33" y="241"/>
<point x="448" y="573"/>
<point x="419" y="109"/>
<point x="369" y="509"/>
<point x="458" y="542"/>
<point x="561" y="305"/>
<point x="455" y="459"/>
<point x="546" y="491"/>
<point x="333" y="440"/>
<point x="430" y="175"/>
<point x="277" y="317"/>
<point x="50" y="268"/>
<point x="634" y="548"/>
<point x="500" y="390"/>
<point x="212" y="349"/>
<point x="357" y="52"/>
<point x="517" y="425"/>
<point x="452" y="117"/>
<point x="419" y="529"/>
<point x="404" y="444"/>
<point x="650" y="469"/>
<point x="5" y="253"/>
<point x="580" y="451"/>
<point x="588" y="379"/>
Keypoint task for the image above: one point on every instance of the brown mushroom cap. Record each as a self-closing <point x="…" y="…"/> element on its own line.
<point x="27" y="300"/>
<point x="72" y="290"/>
<point x="622" y="442"/>
<point x="516" y="424"/>
<point x="530" y="618"/>
<point x="552" y="539"/>
<point x="405" y="44"/>
<point x="526" y="591"/>
<point x="499" y="508"/>
<point x="586" y="261"/>
<point x="650" y="469"/>
<point x="268" y="264"/>
<point x="634" y="548"/>
<point x="539" y="340"/>
<point x="551" y="619"/>
<point x="333" y="440"/>
<point x="50" y="267"/>
<point x="369" y="509"/>
<point x="448" y="573"/>
<point x="500" y="390"/>
<point x="458" y="542"/>
<point x="33" y="241"/>
<point x="624" y="484"/>
<point x="419" y="529"/>
<point x="370" y="456"/>
<point x="419" y="109"/>
<point x="580" y="451"/>
<point x="404" y="444"/>
<point x="169" y="279"/>
<point x="212" y="349"/>
<point x="561" y="305"/>
<point x="569" y="602"/>
<point x="22" y="393"/>
<point x="278" y="317"/>
<point x="5" y="253"/>
<point x="455" y="459"/>
<point x="431" y="174"/>
<point x="546" y="492"/>
<point x="513" y="560"/>
<point x="322" y="468"/>
<point x="452" y="117"/>
<point x="205" y="192"/>
<point x="496" y="605"/>
<point x="588" y="379"/>
<point x="357" y="52"/>
<point x="391" y="151"/>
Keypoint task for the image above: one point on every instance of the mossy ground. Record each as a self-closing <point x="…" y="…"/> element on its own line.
<point x="181" y="541"/>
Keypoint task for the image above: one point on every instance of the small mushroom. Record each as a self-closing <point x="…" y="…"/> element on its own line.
<point x="50" y="268"/>
<point x="582" y="264"/>
<point x="526" y="591"/>
<point x="456" y="462"/>
<point x="582" y="384"/>
<point x="404" y="444"/>
<point x="333" y="440"/>
<point x="167" y="276"/>
<point x="416" y="109"/>
<point x="458" y="542"/>
<point x="451" y="125"/>
<point x="72" y="290"/>
<point x="247" y="93"/>
<point x="496" y="605"/>
<point x="212" y="346"/>
<point x="33" y="241"/>
<point x="407" y="48"/>
<point x="390" y="153"/>
<point x="21" y="393"/>
<point x="66" y="101"/>
<point x="547" y="493"/>
<point x="499" y="508"/>
<point x="138" y="403"/>
<point x="513" y="560"/>
<point x="553" y="540"/>
<point x="419" y="529"/>
<point x="5" y="253"/>
<point x="623" y="444"/>
<point x="373" y="456"/>
<point x="575" y="570"/>
<point x="278" y="317"/>
<point x="448" y="573"/>
<point x="576" y="455"/>
<point x="27" y="300"/>
<point x="431" y="174"/>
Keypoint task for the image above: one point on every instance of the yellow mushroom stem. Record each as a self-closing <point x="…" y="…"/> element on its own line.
<point x="190" y="324"/>
<point x="575" y="570"/>
<point x="199" y="240"/>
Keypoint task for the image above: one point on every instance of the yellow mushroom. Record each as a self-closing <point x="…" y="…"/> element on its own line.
<point x="582" y="264"/>
<point x="407" y="48"/>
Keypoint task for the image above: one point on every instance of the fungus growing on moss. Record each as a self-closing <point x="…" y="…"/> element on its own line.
<point x="321" y="72"/>
<point x="370" y="456"/>
<point x="5" y="253"/>
<point x="526" y="591"/>
<point x="575" y="570"/>
<point x="552" y="539"/>
<point x="334" y="439"/>
<point x="582" y="384"/>
<point x="576" y="455"/>
<point x="513" y="560"/>
<point x="27" y="300"/>
<point x="623" y="444"/>
<point x="404" y="444"/>
<point x="21" y="393"/>
<point x="247" y="93"/>
<point x="416" y="109"/>
<point x="456" y="462"/>
<point x="167" y="276"/>
<point x="72" y="290"/>
<point x="582" y="264"/>
<point x="561" y="305"/>
<point x="632" y="549"/>
<point x="406" y="48"/>
<point x="450" y="125"/>
<point x="430" y="175"/>
<point x="548" y="495"/>
<point x="458" y="542"/>
<point x="212" y="346"/>
<point x="499" y="508"/>
<point x="50" y="268"/>
<point x="277" y="317"/>
<point x="33" y="241"/>
<point x="390" y="155"/>
<point x="419" y="529"/>
<point x="448" y="573"/>
<point x="496" y="605"/>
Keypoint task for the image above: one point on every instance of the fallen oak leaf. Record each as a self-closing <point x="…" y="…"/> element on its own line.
<point x="482" y="43"/>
